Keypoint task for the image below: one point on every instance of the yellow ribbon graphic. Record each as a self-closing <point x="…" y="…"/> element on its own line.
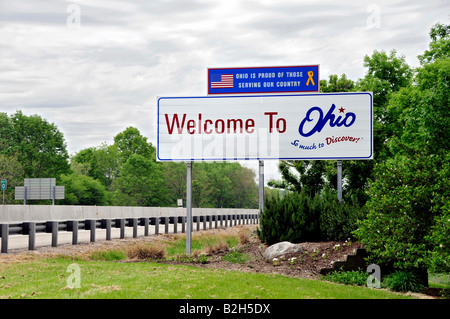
<point x="310" y="75"/>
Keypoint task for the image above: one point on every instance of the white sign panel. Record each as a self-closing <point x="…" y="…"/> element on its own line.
<point x="322" y="126"/>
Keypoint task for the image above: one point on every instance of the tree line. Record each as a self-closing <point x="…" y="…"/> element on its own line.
<point x="124" y="173"/>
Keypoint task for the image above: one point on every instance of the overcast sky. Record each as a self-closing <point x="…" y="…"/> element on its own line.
<point x="95" y="67"/>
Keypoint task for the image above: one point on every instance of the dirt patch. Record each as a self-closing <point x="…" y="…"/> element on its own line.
<point x="308" y="262"/>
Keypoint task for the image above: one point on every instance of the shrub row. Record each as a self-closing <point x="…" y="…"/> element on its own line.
<point x="298" y="217"/>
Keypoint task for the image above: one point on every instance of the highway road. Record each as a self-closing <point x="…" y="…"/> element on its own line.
<point x="20" y="242"/>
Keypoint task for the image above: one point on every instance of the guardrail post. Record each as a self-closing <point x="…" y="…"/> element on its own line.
<point x="92" y="229"/>
<point x="75" y="232"/>
<point x="108" y="229"/>
<point x="54" y="228"/>
<point x="166" y="223"/>
<point x="32" y="236"/>
<point x="183" y="224"/>
<point x="145" y="220"/>
<point x="134" y="221"/>
<point x="175" y="224"/>
<point x="4" y="232"/>
<point x="122" y="228"/>
<point x="156" y="225"/>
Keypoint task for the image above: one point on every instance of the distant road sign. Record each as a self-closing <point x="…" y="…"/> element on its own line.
<point x="4" y="183"/>
<point x="39" y="188"/>
<point x="248" y="80"/>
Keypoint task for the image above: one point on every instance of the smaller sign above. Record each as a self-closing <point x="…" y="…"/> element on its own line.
<point x="280" y="79"/>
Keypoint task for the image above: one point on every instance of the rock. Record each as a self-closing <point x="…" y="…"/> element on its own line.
<point x="280" y="249"/>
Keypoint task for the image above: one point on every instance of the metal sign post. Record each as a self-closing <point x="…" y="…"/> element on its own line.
<point x="189" y="208"/>
<point x="339" y="179"/>
<point x="3" y="186"/>
<point x="261" y="186"/>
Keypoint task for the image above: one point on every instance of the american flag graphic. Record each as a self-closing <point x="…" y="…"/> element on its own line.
<point x="221" y="81"/>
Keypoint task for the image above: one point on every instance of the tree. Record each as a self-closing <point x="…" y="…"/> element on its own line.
<point x="101" y="163"/>
<point x="6" y="135"/>
<point x="301" y="175"/>
<point x="39" y="145"/>
<point x="411" y="191"/>
<point x="245" y="191"/>
<point x="130" y="142"/>
<point x="140" y="183"/>
<point x="336" y="84"/>
<point x="11" y="170"/>
<point x="84" y="190"/>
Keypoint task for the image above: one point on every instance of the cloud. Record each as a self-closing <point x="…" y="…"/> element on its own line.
<point x="95" y="78"/>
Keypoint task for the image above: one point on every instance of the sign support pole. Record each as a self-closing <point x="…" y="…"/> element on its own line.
<point x="189" y="208"/>
<point x="4" y="183"/>
<point x="339" y="179"/>
<point x="261" y="186"/>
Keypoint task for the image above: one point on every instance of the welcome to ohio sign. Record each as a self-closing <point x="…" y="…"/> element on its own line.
<point x="321" y="126"/>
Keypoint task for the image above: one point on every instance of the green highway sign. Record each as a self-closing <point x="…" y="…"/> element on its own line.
<point x="3" y="184"/>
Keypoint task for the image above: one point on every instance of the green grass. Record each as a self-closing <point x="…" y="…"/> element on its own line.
<point x="348" y="277"/>
<point x="199" y="242"/>
<point x="47" y="279"/>
<point x="439" y="280"/>
<point x="236" y="257"/>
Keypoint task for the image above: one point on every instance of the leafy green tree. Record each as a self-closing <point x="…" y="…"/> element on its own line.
<point x="140" y="183"/>
<point x="336" y="84"/>
<point x="6" y="135"/>
<point x="309" y="176"/>
<point x="130" y="142"/>
<point x="107" y="158"/>
<point x="11" y="170"/>
<point x="83" y="190"/>
<point x="175" y="178"/>
<point x="245" y="192"/>
<point x="39" y="145"/>
<point x="411" y="191"/>
<point x="219" y="183"/>
<point x="85" y="162"/>
<point x="385" y="75"/>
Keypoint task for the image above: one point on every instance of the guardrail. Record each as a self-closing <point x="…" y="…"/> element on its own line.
<point x="31" y="219"/>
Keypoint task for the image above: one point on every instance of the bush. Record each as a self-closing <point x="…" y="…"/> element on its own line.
<point x="338" y="219"/>
<point x="296" y="217"/>
<point x="402" y="281"/>
<point x="406" y="213"/>
<point x="289" y="218"/>
<point x="147" y="251"/>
